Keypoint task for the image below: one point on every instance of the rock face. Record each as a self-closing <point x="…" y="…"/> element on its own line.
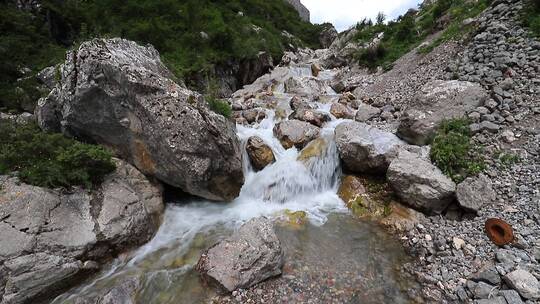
<point x="474" y="192"/>
<point x="524" y="283"/>
<point x="439" y="100"/>
<point x="366" y="149"/>
<point x="252" y="255"/>
<point x="301" y="9"/>
<point x="420" y="184"/>
<point x="119" y="94"/>
<point x="260" y="154"/>
<point x="328" y="35"/>
<point x="295" y="133"/>
<point x="48" y="239"/>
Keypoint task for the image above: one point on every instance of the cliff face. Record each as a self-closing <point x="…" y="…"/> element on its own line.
<point x="302" y="10"/>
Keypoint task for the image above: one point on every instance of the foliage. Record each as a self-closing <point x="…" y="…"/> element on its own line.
<point x="507" y="159"/>
<point x="453" y="152"/>
<point x="219" y="106"/>
<point x="24" y="42"/>
<point x="191" y="35"/>
<point x="531" y="16"/>
<point x="51" y="160"/>
<point x="408" y="31"/>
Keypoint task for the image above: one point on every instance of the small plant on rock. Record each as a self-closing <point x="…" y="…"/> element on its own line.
<point x="454" y="153"/>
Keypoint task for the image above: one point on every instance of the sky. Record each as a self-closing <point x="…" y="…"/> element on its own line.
<point x="346" y="13"/>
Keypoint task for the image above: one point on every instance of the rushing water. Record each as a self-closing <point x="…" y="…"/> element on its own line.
<point x="359" y="257"/>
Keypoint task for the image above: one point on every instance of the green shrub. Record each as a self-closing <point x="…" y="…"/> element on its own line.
<point x="531" y="16"/>
<point x="453" y="152"/>
<point x="51" y="160"/>
<point x="219" y="106"/>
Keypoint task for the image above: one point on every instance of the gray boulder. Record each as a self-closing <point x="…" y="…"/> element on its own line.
<point x="314" y="117"/>
<point x="474" y="192"/>
<point x="437" y="101"/>
<point x="366" y="112"/>
<point x="119" y="94"/>
<point x="328" y="35"/>
<point x="365" y="149"/>
<point x="252" y="255"/>
<point x="49" y="238"/>
<point x="295" y="133"/>
<point x="420" y="184"/>
<point x="524" y="283"/>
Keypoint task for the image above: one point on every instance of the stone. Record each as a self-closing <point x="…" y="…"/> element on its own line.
<point x="489" y="275"/>
<point x="438" y="101"/>
<point x="260" y="154"/>
<point x="341" y="111"/>
<point x="524" y="283"/>
<point x="420" y="184"/>
<point x="295" y="133"/>
<point x="458" y="243"/>
<point x="401" y="218"/>
<point x="484" y="126"/>
<point x="48" y="76"/>
<point x="315" y="69"/>
<point x="314" y="117"/>
<point x="45" y="234"/>
<point x="251" y="255"/>
<point x="254" y="115"/>
<point x="366" y="112"/>
<point x="493" y="300"/>
<point x="483" y="290"/>
<point x="511" y="296"/>
<point x="365" y="149"/>
<point x="119" y="94"/>
<point x="474" y="192"/>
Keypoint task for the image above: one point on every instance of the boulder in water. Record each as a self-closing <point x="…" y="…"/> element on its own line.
<point x="315" y="149"/>
<point x="365" y="149"/>
<point x="314" y="117"/>
<point x="420" y="184"/>
<point x="260" y="154"/>
<point x="251" y="255"/>
<point x="295" y="133"/>
<point x="47" y="236"/>
<point x="117" y="93"/>
<point x="341" y="111"/>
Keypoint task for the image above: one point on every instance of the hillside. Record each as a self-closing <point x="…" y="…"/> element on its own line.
<point x="197" y="39"/>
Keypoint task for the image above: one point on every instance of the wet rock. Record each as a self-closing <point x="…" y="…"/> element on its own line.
<point x="366" y="112"/>
<point x="119" y="94"/>
<point x="420" y="184"/>
<point x="314" y="117"/>
<point x="314" y="150"/>
<point x="295" y="133"/>
<point x="260" y="154"/>
<point x="366" y="149"/>
<point x="437" y="101"/>
<point x="401" y="218"/>
<point x="315" y="69"/>
<point x="341" y="111"/>
<point x="254" y="115"/>
<point x="46" y="235"/>
<point x="350" y="189"/>
<point x="524" y="283"/>
<point x="474" y="192"/>
<point x="252" y="255"/>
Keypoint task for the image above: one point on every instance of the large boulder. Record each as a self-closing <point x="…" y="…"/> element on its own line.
<point x="260" y="154"/>
<point x="437" y="101"/>
<point x="295" y="133"/>
<point x="119" y="94"/>
<point x="50" y="240"/>
<point x="474" y="192"/>
<point x="252" y="255"/>
<point x="524" y="283"/>
<point x="420" y="184"/>
<point x="328" y="35"/>
<point x="365" y="149"/>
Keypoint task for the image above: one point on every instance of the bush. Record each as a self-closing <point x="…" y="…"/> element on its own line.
<point x="531" y="16"/>
<point x="453" y="152"/>
<point x="219" y="106"/>
<point x="51" y="160"/>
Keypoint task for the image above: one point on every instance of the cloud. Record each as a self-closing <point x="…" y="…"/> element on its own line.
<point x="345" y="13"/>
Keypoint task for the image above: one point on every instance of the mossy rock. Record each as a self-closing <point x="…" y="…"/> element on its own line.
<point x="315" y="149"/>
<point x="294" y="220"/>
<point x="363" y="197"/>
